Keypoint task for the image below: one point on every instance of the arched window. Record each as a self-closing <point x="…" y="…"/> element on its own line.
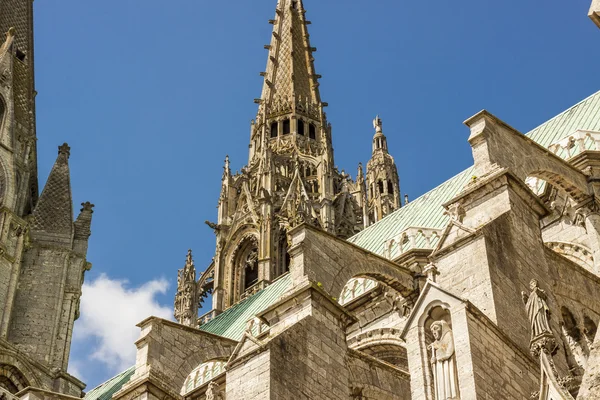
<point x="300" y="127"/>
<point x="286" y="127"/>
<point x="251" y="270"/>
<point x="589" y="328"/>
<point x="312" y="131"/>
<point x="380" y="184"/>
<point x="274" y="129"/>
<point x="569" y="323"/>
<point x="284" y="257"/>
<point x="244" y="268"/>
<point x="390" y="187"/>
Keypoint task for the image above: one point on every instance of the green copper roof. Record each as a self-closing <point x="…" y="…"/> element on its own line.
<point x="110" y="387"/>
<point x="427" y="210"/>
<point x="232" y="323"/>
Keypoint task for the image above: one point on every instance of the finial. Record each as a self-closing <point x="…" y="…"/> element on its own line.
<point x="11" y="32"/>
<point x="378" y="124"/>
<point x="405" y="199"/>
<point x="189" y="262"/>
<point x="64" y="149"/>
<point x="10" y="37"/>
<point x="87" y="206"/>
<point x="227" y="162"/>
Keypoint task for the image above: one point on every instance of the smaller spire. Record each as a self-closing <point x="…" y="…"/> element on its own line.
<point x="226" y="168"/>
<point x="379" y="140"/>
<point x="83" y="223"/>
<point x="361" y="174"/>
<point x="189" y="262"/>
<point x="186" y="299"/>
<point x="53" y="212"/>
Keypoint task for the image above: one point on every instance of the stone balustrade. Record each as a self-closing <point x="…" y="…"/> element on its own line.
<point x="576" y="143"/>
<point x="412" y="238"/>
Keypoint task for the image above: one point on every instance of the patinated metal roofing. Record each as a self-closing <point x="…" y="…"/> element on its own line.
<point x="232" y="323"/>
<point x="106" y="390"/>
<point x="427" y="210"/>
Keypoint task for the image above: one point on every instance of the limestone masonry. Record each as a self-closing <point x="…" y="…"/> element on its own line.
<point x="325" y="287"/>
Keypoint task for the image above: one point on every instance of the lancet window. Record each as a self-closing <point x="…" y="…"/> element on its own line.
<point x="286" y="127"/>
<point x="312" y="131"/>
<point x="300" y="127"/>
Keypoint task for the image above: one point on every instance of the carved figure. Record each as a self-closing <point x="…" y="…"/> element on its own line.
<point x="443" y="362"/>
<point x="537" y="310"/>
<point x="213" y="392"/>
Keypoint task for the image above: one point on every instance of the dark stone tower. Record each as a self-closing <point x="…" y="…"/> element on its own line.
<point x="42" y="249"/>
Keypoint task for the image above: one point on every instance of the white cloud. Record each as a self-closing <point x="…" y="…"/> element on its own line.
<point x="110" y="311"/>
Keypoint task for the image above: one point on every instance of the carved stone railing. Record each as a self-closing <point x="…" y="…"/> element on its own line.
<point x="576" y="143"/>
<point x="209" y="316"/>
<point x="252" y="290"/>
<point x="411" y="238"/>
<point x="356" y="287"/>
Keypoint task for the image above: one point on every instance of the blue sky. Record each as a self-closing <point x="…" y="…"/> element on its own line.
<point x="151" y="96"/>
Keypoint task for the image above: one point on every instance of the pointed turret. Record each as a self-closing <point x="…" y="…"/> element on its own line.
<point x="53" y="213"/>
<point x="186" y="299"/>
<point x="382" y="178"/>
<point x="83" y="228"/>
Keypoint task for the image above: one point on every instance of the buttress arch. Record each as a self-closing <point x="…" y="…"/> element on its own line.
<point x="496" y="145"/>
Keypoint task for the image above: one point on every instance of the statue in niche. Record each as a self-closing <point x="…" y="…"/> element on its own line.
<point x="213" y="392"/>
<point x="443" y="362"/>
<point x="537" y="311"/>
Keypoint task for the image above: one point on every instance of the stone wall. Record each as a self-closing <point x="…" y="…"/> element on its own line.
<point x="325" y="259"/>
<point x="500" y="370"/>
<point x="374" y="379"/>
<point x="38" y="312"/>
<point x="167" y="353"/>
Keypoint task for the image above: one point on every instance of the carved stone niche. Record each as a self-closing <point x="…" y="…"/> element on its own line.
<point x="436" y="326"/>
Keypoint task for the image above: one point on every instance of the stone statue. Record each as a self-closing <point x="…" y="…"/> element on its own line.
<point x="377" y="124"/>
<point x="213" y="392"/>
<point x="537" y="310"/>
<point x="443" y="362"/>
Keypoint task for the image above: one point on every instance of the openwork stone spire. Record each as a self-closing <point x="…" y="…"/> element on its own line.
<point x="186" y="299"/>
<point x="290" y="75"/>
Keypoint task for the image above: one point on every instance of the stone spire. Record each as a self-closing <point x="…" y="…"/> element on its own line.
<point x="53" y="213"/>
<point x="383" y="184"/>
<point x="186" y="299"/>
<point x="290" y="75"/>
